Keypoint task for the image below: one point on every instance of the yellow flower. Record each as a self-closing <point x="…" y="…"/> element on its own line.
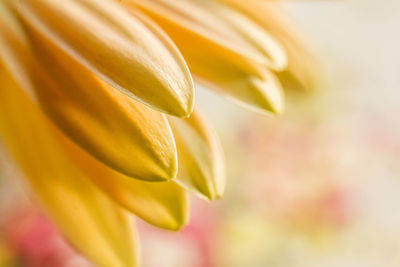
<point x="95" y="101"/>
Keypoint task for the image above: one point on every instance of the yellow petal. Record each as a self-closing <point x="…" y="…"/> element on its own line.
<point x="201" y="161"/>
<point x="229" y="71"/>
<point x="117" y="130"/>
<point x="163" y="204"/>
<point x="302" y="68"/>
<point x="91" y="222"/>
<point x="117" y="47"/>
<point x="262" y="93"/>
<point x="209" y="25"/>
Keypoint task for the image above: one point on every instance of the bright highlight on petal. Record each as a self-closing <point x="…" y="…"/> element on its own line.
<point x="117" y="130"/>
<point x="117" y="47"/>
<point x="214" y="26"/>
<point x="219" y="53"/>
<point x="302" y="68"/>
<point x="201" y="168"/>
<point x="89" y="220"/>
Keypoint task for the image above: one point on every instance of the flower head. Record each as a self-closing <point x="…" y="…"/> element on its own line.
<point x="97" y="100"/>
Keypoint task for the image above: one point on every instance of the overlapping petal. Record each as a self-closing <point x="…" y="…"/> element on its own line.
<point x="163" y="204"/>
<point x="124" y="134"/>
<point x="215" y="25"/>
<point x="262" y="93"/>
<point x="201" y="160"/>
<point x="92" y="222"/>
<point x="302" y="71"/>
<point x="63" y="60"/>
<point x="222" y="48"/>
<point x="117" y="47"/>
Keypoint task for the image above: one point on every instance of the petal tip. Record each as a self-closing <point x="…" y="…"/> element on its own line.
<point x="178" y="219"/>
<point x="178" y="224"/>
<point x="167" y="172"/>
<point x="272" y="97"/>
<point x="183" y="108"/>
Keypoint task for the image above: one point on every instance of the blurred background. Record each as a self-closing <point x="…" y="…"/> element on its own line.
<point x="318" y="186"/>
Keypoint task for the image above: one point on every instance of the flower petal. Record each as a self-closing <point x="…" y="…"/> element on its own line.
<point x="90" y="221"/>
<point x="120" y="132"/>
<point x="163" y="204"/>
<point x="262" y="93"/>
<point x="117" y="47"/>
<point x="302" y="69"/>
<point x="226" y="70"/>
<point x="216" y="27"/>
<point x="201" y="160"/>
